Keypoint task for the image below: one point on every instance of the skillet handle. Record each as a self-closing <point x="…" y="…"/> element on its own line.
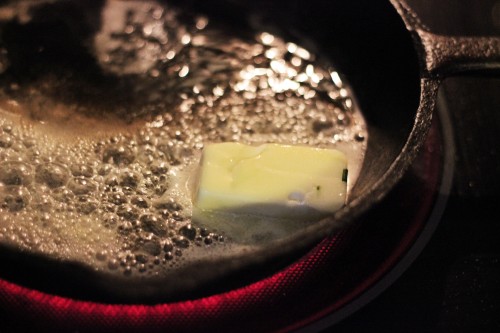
<point x="444" y="56"/>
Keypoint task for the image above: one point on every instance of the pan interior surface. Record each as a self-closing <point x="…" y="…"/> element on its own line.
<point x="81" y="66"/>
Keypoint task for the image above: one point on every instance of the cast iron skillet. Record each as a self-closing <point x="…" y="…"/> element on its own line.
<point x="392" y="63"/>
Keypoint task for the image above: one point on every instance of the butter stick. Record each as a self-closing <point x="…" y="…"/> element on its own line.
<point x="273" y="180"/>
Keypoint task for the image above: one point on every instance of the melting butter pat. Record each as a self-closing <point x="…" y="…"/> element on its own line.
<point x="273" y="180"/>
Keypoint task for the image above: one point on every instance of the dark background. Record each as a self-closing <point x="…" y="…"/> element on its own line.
<point x="454" y="285"/>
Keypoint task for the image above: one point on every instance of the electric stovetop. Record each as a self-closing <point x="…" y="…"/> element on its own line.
<point x="453" y="285"/>
<point x="442" y="266"/>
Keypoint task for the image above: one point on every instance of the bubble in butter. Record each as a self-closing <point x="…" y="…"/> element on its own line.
<point x="274" y="180"/>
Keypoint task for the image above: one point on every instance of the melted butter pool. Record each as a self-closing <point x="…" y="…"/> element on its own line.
<point x="109" y="187"/>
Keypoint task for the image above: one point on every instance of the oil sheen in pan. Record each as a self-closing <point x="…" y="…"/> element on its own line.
<point x="110" y="189"/>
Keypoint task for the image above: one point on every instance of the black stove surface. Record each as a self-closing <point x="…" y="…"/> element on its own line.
<point x="453" y="286"/>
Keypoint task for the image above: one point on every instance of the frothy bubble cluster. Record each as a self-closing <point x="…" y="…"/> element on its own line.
<point x="96" y="200"/>
<point x="120" y="200"/>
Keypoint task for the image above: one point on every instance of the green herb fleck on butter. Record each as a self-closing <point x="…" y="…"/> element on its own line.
<point x="344" y="175"/>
